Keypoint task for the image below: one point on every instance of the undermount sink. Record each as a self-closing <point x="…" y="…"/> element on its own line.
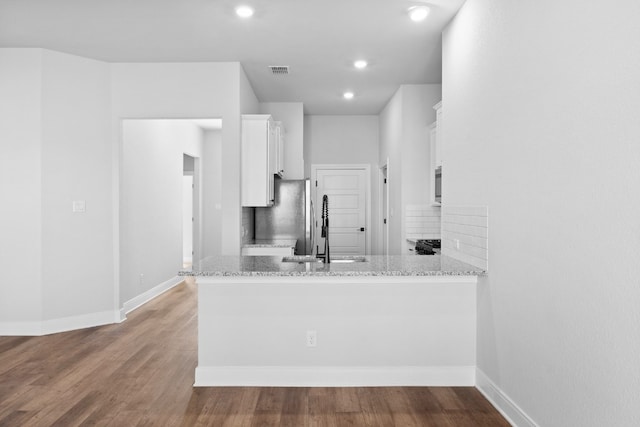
<point x="301" y="258"/>
<point x="310" y="258"/>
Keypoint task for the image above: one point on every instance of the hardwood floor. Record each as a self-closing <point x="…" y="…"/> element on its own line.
<point x="140" y="373"/>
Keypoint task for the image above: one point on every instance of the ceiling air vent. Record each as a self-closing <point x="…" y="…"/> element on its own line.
<point x="279" y="69"/>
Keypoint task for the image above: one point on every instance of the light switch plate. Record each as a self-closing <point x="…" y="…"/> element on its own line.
<point x="79" y="206"/>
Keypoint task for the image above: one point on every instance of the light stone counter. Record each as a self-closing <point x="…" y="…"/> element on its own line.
<point x="376" y="265"/>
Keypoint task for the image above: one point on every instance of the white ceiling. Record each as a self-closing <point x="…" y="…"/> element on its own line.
<point x="317" y="39"/>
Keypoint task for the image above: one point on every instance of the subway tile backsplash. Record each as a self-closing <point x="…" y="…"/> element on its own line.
<point x="469" y="227"/>
<point x="422" y="222"/>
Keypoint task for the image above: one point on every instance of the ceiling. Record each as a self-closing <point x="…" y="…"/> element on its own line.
<point x="317" y="39"/>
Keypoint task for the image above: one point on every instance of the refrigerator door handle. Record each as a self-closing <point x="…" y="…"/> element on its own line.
<point x="313" y="229"/>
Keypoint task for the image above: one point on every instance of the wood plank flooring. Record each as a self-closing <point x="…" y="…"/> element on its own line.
<point x="140" y="373"/>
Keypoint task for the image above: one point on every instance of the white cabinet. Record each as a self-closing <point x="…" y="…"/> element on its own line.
<point x="279" y="142"/>
<point x="438" y="134"/>
<point x="433" y="138"/>
<point x="436" y="141"/>
<point x="259" y="159"/>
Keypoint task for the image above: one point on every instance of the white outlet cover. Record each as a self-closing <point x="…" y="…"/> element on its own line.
<point x="312" y="339"/>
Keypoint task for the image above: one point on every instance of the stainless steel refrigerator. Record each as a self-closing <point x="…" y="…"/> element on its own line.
<point x="291" y="217"/>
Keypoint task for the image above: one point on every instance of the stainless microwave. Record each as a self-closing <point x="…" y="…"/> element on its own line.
<point x="438" y="184"/>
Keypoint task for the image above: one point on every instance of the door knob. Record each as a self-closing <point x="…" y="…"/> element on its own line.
<point x="361" y="228"/>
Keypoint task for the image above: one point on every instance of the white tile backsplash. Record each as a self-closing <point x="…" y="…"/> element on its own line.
<point x="422" y="222"/>
<point x="469" y="226"/>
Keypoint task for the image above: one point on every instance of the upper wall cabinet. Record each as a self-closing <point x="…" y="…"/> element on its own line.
<point x="259" y="159"/>
<point x="438" y="134"/>
<point x="436" y="140"/>
<point x="279" y="141"/>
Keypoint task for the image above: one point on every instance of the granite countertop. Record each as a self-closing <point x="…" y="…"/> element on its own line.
<point x="376" y="265"/>
<point x="270" y="243"/>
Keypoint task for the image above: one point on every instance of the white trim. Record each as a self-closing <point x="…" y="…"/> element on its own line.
<point x="383" y="211"/>
<point x="499" y="399"/>
<point x="82" y="321"/>
<point x="54" y="326"/>
<point x="363" y="166"/>
<point x="334" y="376"/>
<point x="147" y="296"/>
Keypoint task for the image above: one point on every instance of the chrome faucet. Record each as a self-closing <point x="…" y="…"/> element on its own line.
<point x="325" y="229"/>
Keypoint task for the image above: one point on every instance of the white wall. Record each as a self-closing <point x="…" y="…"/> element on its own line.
<point x="211" y="199"/>
<point x="248" y="105"/>
<point x="541" y="103"/>
<point x="404" y="140"/>
<point x="77" y="263"/>
<point x="55" y="133"/>
<point x="151" y="201"/>
<point x="192" y="90"/>
<point x="345" y="140"/>
<point x="20" y="188"/>
<point x="61" y="136"/>
<point x="291" y="114"/>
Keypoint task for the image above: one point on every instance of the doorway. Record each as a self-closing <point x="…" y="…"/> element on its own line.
<point x="188" y="171"/>
<point x="347" y="190"/>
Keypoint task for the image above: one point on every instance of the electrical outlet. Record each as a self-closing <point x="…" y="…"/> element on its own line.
<point x="311" y="339"/>
<point x="141" y="279"/>
<point x="456" y="243"/>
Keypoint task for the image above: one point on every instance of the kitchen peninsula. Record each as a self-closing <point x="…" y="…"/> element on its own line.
<point x="391" y="320"/>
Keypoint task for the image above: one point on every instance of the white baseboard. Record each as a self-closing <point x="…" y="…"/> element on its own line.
<point x="147" y="296"/>
<point x="334" y="376"/>
<point x="54" y="326"/>
<point x="71" y="323"/>
<point x="512" y="412"/>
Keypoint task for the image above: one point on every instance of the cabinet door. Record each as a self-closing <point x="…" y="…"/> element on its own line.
<point x="258" y="162"/>
<point x="439" y="139"/>
<point x="272" y="158"/>
<point x="434" y="161"/>
<point x="279" y="148"/>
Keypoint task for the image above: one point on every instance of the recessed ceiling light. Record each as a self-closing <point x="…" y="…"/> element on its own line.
<point x="348" y="95"/>
<point x="244" y="11"/>
<point x="360" y="64"/>
<point x="418" y="13"/>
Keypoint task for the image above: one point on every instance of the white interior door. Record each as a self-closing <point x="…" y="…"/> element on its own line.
<point x="346" y="190"/>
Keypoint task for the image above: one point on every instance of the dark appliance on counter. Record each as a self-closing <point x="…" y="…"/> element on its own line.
<point x="427" y="246"/>
<point x="290" y="217"/>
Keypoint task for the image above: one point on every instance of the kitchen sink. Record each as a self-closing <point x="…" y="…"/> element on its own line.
<point x="310" y="258"/>
<point x="301" y="259"/>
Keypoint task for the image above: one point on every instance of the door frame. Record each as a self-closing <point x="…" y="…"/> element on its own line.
<point x="383" y="244"/>
<point x="365" y="167"/>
